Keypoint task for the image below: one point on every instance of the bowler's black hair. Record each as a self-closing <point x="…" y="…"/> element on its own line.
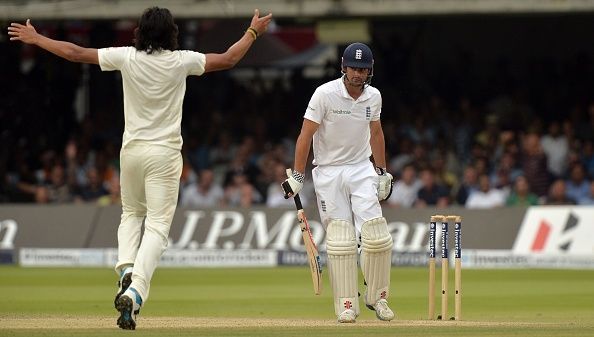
<point x="156" y="31"/>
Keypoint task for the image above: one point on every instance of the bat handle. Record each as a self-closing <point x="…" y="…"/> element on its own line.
<point x="298" y="202"/>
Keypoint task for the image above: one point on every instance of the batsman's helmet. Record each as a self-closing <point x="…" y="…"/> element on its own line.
<point x="358" y="55"/>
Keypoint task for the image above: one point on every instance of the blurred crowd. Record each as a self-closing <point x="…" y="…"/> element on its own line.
<point x="501" y="142"/>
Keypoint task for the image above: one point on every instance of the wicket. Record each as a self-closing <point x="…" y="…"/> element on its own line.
<point x="444" y="220"/>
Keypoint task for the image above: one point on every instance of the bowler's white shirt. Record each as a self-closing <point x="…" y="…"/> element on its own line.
<point x="343" y="135"/>
<point x="154" y="87"/>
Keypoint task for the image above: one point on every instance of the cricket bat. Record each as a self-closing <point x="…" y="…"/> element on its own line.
<point x="313" y="256"/>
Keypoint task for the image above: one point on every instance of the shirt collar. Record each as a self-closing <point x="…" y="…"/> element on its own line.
<point x="345" y="93"/>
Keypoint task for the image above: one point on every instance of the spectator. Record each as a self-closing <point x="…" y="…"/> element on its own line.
<point x="502" y="181"/>
<point x="405" y="189"/>
<point x="588" y="157"/>
<point x="558" y="195"/>
<point x="556" y="147"/>
<point x="577" y="186"/>
<point x="114" y="197"/>
<point x="106" y="166"/>
<point x="41" y="195"/>
<point x="431" y="193"/>
<point x="464" y="129"/>
<point x="204" y="193"/>
<point x="481" y="165"/>
<point x="442" y="175"/>
<point x="24" y="183"/>
<point x="485" y="196"/>
<point x="77" y="164"/>
<point x="489" y="137"/>
<point x="469" y="184"/>
<point x="588" y="200"/>
<point x="244" y="161"/>
<point x="475" y="129"/>
<point x="420" y="156"/>
<point x="534" y="164"/>
<point x="239" y="192"/>
<point x="508" y="164"/>
<point x="521" y="195"/>
<point x="57" y="188"/>
<point x="222" y="153"/>
<point x="94" y="188"/>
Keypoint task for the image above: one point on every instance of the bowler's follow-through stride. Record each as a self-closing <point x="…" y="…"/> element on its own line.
<point x="154" y="82"/>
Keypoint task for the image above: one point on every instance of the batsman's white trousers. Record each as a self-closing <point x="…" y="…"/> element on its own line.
<point x="347" y="192"/>
<point x="149" y="186"/>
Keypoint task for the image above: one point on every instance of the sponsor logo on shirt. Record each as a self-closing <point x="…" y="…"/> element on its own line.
<point x="311" y="108"/>
<point x="368" y="113"/>
<point x="340" y="112"/>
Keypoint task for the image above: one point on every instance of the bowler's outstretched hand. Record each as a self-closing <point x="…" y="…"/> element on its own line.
<point x="25" y="33"/>
<point x="260" y="24"/>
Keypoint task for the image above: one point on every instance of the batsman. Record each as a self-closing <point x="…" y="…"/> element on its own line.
<point x="342" y="120"/>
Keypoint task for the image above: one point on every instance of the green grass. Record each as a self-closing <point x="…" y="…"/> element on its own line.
<point x="500" y="302"/>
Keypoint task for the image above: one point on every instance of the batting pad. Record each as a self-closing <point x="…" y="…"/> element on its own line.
<point x="341" y="246"/>
<point x="376" y="259"/>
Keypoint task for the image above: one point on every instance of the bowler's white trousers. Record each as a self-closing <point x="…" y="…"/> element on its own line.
<point x="149" y="186"/>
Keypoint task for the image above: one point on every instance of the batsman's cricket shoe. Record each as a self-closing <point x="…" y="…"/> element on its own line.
<point x="347" y="316"/>
<point x="123" y="283"/>
<point x="382" y="310"/>
<point x="128" y="304"/>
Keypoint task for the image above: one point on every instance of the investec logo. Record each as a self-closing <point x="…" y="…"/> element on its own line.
<point x="556" y="230"/>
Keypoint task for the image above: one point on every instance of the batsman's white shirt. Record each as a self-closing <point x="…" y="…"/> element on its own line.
<point x="344" y="178"/>
<point x="343" y="135"/>
<point x="154" y="87"/>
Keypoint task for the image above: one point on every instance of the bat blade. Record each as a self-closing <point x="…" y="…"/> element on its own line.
<point x="313" y="255"/>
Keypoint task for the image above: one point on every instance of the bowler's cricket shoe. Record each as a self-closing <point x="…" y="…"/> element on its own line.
<point x="128" y="304"/>
<point x="347" y="316"/>
<point x="123" y="283"/>
<point x="382" y="310"/>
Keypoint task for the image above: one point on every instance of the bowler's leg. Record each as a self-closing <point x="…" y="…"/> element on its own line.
<point x="162" y="186"/>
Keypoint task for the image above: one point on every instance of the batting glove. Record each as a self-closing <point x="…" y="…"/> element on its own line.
<point x="386" y="183"/>
<point x="293" y="184"/>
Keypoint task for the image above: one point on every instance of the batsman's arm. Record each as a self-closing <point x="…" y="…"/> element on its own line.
<point x="378" y="145"/>
<point x="303" y="144"/>
<point x="294" y="183"/>
<point x="27" y="34"/>
<point x="228" y="59"/>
